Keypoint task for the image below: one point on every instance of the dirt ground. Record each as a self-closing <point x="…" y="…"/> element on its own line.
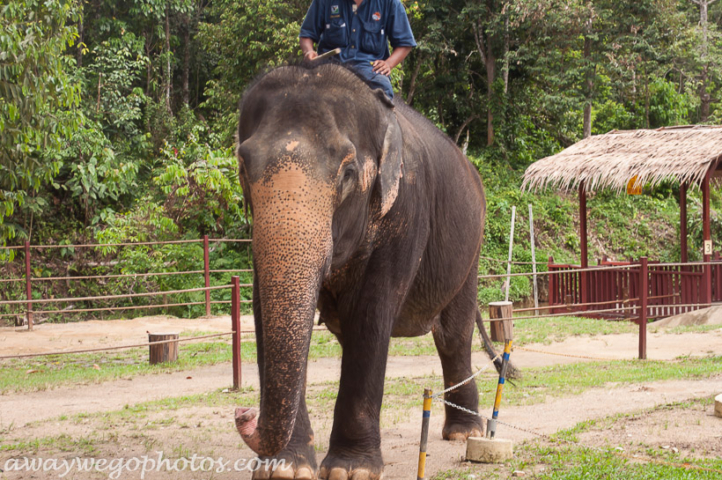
<point x="209" y="431"/>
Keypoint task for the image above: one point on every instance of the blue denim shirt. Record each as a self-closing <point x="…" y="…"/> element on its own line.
<point x="363" y="35"/>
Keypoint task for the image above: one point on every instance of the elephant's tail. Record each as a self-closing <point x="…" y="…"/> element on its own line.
<point x="512" y="373"/>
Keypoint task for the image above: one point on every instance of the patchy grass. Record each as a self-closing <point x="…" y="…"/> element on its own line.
<point x="685" y="329"/>
<point x="569" y="459"/>
<point x="43" y="373"/>
<point x="558" y="381"/>
<point x="558" y="329"/>
<point x="572" y="460"/>
<point x="405" y="394"/>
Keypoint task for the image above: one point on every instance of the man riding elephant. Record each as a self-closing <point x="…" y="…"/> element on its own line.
<point x="366" y="211"/>
<point x="362" y="30"/>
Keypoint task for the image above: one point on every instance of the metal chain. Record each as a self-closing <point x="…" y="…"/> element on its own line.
<point x="454" y="387"/>
<point x="571" y="356"/>
<point x="576" y="444"/>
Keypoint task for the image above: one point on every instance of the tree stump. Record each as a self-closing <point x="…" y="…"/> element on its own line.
<point x="501" y="331"/>
<point x="164" y="352"/>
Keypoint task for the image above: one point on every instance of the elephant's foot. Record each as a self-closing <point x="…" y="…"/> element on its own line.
<point x="351" y="467"/>
<point x="459" y="429"/>
<point x="294" y="463"/>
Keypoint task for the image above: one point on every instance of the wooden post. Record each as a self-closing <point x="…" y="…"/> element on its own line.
<point x="533" y="261"/>
<point x="707" y="278"/>
<point x="165" y="352"/>
<point x="207" y="273"/>
<point x="28" y="286"/>
<point x="683" y="222"/>
<point x="501" y="331"/>
<point x="583" y="242"/>
<point x="236" y="328"/>
<point x="643" y="293"/>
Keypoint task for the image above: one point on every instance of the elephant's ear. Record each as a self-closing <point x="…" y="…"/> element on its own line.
<point x="390" y="165"/>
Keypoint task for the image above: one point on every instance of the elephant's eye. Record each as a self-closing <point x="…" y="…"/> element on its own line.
<point x="348" y="174"/>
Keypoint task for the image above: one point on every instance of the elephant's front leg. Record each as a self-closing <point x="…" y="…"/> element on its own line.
<point x="298" y="460"/>
<point x="355" y="446"/>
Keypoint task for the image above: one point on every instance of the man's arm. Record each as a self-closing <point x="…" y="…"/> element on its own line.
<point x="384" y="67"/>
<point x="307" y="48"/>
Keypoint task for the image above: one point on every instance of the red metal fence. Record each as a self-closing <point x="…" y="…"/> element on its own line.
<point x="672" y="288"/>
<point x="206" y="272"/>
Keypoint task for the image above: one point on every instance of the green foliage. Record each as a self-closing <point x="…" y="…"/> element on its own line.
<point x="116" y="67"/>
<point x="117" y="118"/>
<point x="244" y="38"/>
<point x="201" y="186"/>
<point x="38" y="102"/>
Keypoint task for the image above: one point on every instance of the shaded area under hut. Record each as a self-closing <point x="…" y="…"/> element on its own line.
<point x="624" y="161"/>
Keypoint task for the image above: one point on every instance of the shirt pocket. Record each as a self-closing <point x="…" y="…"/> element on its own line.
<point x="373" y="38"/>
<point x="336" y="33"/>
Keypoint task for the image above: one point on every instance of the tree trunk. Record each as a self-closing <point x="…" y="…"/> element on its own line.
<point x="507" y="41"/>
<point x="487" y="56"/>
<point x="186" y="59"/>
<point x="79" y="53"/>
<point x="704" y="96"/>
<point x="165" y="352"/>
<point x="167" y="61"/>
<point x="463" y="127"/>
<point x="490" y="77"/>
<point x="412" y="82"/>
<point x="588" y="81"/>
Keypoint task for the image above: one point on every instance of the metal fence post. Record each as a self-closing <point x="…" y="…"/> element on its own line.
<point x="28" y="286"/>
<point x="552" y="286"/>
<point x="236" y="327"/>
<point x="643" y="293"/>
<point x="207" y="272"/>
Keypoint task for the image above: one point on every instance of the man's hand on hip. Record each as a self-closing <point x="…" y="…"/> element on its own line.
<point x="382" y="68"/>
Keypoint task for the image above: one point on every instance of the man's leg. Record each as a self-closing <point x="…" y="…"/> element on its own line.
<point x="375" y="80"/>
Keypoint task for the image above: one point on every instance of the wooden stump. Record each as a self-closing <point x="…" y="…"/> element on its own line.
<point x="501" y="331"/>
<point x="164" y="352"/>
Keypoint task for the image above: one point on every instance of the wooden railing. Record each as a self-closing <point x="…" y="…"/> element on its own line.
<point x="672" y="288"/>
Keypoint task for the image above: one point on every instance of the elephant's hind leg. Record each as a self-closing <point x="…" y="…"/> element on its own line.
<point x="453" y="336"/>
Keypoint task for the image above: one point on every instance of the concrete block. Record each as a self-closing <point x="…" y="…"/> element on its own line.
<point x="718" y="405"/>
<point x="487" y="450"/>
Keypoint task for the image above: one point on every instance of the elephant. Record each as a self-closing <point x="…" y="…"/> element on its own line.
<point x="366" y="211"/>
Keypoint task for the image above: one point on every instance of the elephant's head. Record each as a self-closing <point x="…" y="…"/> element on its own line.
<point x="320" y="158"/>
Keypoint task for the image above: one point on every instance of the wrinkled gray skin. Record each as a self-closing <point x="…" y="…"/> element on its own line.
<point x="371" y="214"/>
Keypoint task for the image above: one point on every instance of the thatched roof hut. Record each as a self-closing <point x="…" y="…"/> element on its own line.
<point x="685" y="154"/>
<point x="627" y="160"/>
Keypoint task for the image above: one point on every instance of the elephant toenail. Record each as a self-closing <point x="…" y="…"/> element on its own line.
<point x="283" y="472"/>
<point x="304" y="473"/>
<point x="361" y="474"/>
<point x="338" y="474"/>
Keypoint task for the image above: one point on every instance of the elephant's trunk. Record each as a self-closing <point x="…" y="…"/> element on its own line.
<point x="292" y="248"/>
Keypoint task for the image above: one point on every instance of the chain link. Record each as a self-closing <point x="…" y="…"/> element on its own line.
<point x="570" y="355"/>
<point x="464" y="382"/>
<point x="560" y="441"/>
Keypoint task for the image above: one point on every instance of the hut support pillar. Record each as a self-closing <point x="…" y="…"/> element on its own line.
<point x="584" y="287"/>
<point x="683" y="221"/>
<point x="707" y="246"/>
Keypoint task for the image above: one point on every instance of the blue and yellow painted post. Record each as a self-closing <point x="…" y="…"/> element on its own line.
<point x="491" y="424"/>
<point x="424" y="433"/>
